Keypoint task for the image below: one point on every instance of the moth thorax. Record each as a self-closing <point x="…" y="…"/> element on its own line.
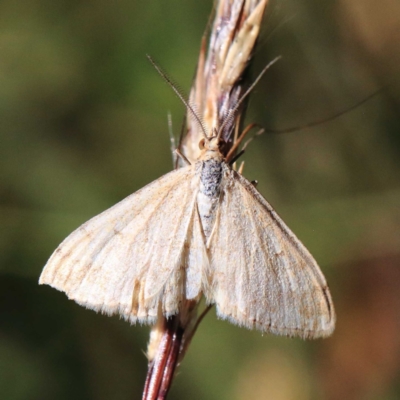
<point x="209" y="191"/>
<point x="210" y="177"/>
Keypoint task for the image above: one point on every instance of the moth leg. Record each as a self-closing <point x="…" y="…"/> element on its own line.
<point x="178" y="152"/>
<point x="234" y="159"/>
<point x="172" y="140"/>
<point x="241" y="168"/>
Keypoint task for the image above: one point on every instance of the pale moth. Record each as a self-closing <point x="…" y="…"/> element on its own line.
<point x="203" y="229"/>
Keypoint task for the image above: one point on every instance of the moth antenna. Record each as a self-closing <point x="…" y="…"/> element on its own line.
<point x="232" y="111"/>
<point x="322" y="121"/>
<point x="179" y="94"/>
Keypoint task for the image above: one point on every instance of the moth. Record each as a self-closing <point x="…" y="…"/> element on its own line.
<point x="203" y="229"/>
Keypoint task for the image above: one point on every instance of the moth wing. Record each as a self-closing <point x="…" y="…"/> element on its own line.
<point x="264" y="276"/>
<point x="129" y="259"/>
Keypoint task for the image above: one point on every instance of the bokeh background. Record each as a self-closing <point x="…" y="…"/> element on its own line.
<point x="83" y="123"/>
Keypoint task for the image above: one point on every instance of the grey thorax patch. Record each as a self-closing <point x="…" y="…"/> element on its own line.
<point x="208" y="196"/>
<point x="210" y="178"/>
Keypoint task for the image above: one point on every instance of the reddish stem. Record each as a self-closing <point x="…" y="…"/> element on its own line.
<point x="171" y="363"/>
<point x="161" y="370"/>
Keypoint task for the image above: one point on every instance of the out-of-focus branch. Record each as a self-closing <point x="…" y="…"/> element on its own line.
<point x="220" y="79"/>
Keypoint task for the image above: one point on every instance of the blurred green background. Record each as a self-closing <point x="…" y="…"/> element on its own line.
<point x="83" y="123"/>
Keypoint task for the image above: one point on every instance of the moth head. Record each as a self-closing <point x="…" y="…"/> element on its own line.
<point x="211" y="143"/>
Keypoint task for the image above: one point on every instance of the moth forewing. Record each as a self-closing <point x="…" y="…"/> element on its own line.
<point x="264" y="277"/>
<point x="127" y="259"/>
